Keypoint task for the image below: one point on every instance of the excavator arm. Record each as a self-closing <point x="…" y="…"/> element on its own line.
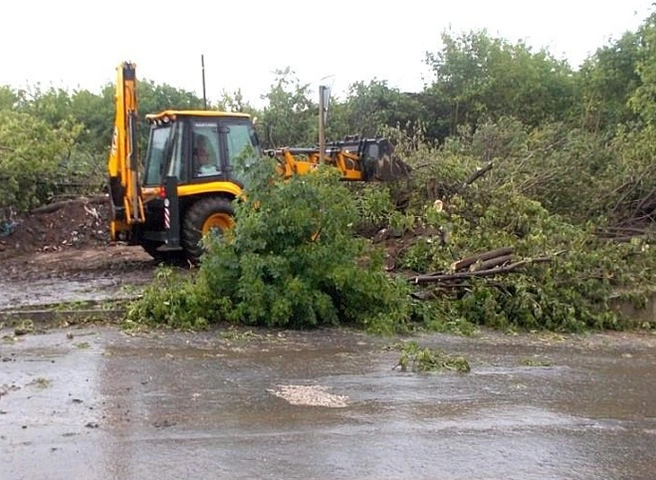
<point x="123" y="164"/>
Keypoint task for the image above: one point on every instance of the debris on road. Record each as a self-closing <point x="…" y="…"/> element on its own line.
<point x="309" y="395"/>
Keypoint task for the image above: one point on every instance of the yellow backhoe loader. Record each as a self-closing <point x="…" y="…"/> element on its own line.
<point x="358" y="159"/>
<point x="191" y="173"/>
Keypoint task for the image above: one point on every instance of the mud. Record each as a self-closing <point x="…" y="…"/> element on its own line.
<point x="91" y="274"/>
<point x="63" y="254"/>
<point x="102" y="403"/>
<point x="99" y="402"/>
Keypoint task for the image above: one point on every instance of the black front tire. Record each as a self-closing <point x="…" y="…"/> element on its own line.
<point x="210" y="212"/>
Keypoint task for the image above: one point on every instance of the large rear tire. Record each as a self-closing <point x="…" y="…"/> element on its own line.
<point x="211" y="214"/>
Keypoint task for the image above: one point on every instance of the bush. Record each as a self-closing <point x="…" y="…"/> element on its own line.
<point x="33" y="158"/>
<point x="291" y="260"/>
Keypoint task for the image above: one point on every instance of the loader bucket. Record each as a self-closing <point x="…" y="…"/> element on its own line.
<point x="381" y="164"/>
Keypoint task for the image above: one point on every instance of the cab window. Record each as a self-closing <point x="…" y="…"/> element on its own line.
<point x="205" y="150"/>
<point x="243" y="148"/>
<point x="175" y="168"/>
<point x="155" y="161"/>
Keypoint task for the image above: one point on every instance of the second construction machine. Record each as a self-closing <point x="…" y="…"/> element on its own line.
<point x="186" y="185"/>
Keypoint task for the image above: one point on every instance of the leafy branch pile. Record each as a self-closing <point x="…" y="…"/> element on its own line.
<point x="470" y="248"/>
<point x="292" y="260"/>
<point x="488" y="251"/>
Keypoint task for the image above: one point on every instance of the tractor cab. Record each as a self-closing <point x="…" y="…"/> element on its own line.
<point x="197" y="147"/>
<point x="194" y="167"/>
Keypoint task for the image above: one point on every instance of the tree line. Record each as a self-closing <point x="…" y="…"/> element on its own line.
<point x="478" y="79"/>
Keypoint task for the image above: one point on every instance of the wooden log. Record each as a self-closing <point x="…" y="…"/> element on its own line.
<point x="53" y="207"/>
<point x="468" y="261"/>
<point x="491" y="263"/>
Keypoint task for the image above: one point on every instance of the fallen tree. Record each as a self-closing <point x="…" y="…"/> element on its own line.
<point x="473" y="245"/>
<point x="485" y="255"/>
<point x="292" y="260"/>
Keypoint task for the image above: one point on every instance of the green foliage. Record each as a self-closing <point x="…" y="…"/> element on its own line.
<point x="290" y="116"/>
<point x="580" y="175"/>
<point x="290" y="261"/>
<point x="96" y="113"/>
<point x="173" y="301"/>
<point x="643" y="99"/>
<point x="609" y="78"/>
<point x="33" y="157"/>
<point x="293" y="261"/>
<point x="478" y="76"/>
<point x="8" y="98"/>
<point x="375" y="105"/>
<point x="377" y="210"/>
<point x="549" y="192"/>
<point x="571" y="292"/>
<point x="235" y="102"/>
<point x="418" y="359"/>
<point x="154" y="98"/>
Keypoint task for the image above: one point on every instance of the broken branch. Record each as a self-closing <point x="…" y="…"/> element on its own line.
<point x="479" y="273"/>
<point x="476" y="175"/>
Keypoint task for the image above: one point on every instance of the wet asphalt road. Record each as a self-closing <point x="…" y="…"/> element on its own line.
<point x="97" y="403"/>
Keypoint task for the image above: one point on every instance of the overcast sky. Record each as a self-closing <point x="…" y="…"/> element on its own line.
<point x="77" y="44"/>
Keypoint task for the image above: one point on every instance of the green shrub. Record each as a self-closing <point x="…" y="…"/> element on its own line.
<point x="291" y="260"/>
<point x="33" y="157"/>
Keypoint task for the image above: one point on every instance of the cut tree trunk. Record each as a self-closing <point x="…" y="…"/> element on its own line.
<point x="468" y="261"/>
<point x="491" y="263"/>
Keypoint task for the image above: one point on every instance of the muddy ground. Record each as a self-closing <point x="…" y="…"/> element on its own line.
<point x="65" y="255"/>
<point x="97" y="402"/>
<point x="94" y="401"/>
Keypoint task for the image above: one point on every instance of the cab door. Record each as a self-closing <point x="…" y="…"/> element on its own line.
<point x="239" y="146"/>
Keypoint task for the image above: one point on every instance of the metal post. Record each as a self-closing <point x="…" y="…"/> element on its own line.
<point x="202" y="63"/>
<point x="322" y="126"/>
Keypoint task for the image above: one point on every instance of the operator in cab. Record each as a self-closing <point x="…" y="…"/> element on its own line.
<point x="205" y="161"/>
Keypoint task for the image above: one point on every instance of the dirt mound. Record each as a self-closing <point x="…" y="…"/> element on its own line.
<point x="41" y="253"/>
<point x="73" y="224"/>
